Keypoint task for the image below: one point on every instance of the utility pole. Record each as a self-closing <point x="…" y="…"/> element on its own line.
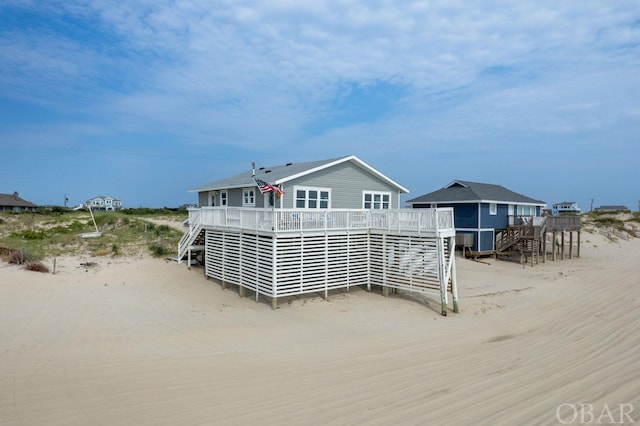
<point x="591" y="208"/>
<point x="65" y="200"/>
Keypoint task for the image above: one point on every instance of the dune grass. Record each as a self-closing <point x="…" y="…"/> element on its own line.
<point x="44" y="234"/>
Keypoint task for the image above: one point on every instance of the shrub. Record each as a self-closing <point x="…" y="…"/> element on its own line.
<point x="28" y="235"/>
<point x="16" y="257"/>
<point x="159" y="250"/>
<point x="36" y="267"/>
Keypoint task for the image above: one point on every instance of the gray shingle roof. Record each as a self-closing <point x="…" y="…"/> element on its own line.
<point x="465" y="191"/>
<point x="283" y="173"/>
<point x="14" y="200"/>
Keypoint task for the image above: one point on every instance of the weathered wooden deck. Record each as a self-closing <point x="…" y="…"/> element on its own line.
<point x="529" y="240"/>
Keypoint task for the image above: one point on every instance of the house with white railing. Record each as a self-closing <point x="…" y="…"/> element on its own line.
<point x="314" y="227"/>
<point x="104" y="203"/>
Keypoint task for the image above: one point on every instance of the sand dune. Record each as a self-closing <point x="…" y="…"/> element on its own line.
<point x="144" y="341"/>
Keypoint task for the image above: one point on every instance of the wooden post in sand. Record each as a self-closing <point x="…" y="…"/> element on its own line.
<point x="578" y="249"/>
<point x="274" y="303"/>
<point x="570" y="244"/>
<point x="241" y="291"/>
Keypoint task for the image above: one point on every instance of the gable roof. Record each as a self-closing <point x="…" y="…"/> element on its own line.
<point x="14" y="200"/>
<point x="277" y="175"/>
<point x="460" y="191"/>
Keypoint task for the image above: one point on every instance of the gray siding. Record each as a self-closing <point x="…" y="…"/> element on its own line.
<point x="346" y="181"/>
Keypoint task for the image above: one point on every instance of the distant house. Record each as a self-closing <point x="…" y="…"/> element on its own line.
<point x="481" y="209"/>
<point x="566" y="207"/>
<point x="13" y="202"/>
<point x="338" y="183"/>
<point x="104" y="203"/>
<point x="612" y="209"/>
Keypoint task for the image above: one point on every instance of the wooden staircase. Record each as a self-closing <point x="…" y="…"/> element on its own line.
<point x="524" y="240"/>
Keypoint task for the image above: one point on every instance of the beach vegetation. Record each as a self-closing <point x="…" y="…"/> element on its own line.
<point x="36" y="267"/>
<point x="47" y="233"/>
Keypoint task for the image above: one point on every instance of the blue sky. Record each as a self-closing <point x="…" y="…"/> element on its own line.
<point x="145" y="100"/>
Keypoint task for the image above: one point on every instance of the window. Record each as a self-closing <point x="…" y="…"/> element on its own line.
<point x="312" y="198"/>
<point x="376" y="200"/>
<point x="493" y="209"/>
<point x="248" y="197"/>
<point x="223" y="198"/>
<point x="526" y="211"/>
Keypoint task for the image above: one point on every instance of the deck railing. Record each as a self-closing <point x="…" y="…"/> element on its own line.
<point x="284" y="220"/>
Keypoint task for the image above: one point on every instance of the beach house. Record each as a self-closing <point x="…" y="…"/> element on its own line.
<point x="104" y="203"/>
<point x="317" y="226"/>
<point x="13" y="202"/>
<point x="565" y="207"/>
<point x="481" y="210"/>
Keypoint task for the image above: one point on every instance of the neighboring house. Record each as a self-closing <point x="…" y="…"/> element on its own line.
<point x="14" y="203"/>
<point x="567" y="207"/>
<point x="346" y="182"/>
<point x="481" y="209"/>
<point x="612" y="209"/>
<point x="104" y="203"/>
<point x="317" y="226"/>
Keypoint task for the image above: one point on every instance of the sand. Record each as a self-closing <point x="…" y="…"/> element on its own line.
<point x="147" y="341"/>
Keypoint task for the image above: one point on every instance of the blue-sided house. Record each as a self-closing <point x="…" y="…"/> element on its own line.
<point x="481" y="209"/>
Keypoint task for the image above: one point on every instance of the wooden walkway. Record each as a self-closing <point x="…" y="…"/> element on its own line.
<point x="529" y="240"/>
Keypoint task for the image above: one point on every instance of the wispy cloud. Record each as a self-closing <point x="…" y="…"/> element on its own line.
<point x="322" y="76"/>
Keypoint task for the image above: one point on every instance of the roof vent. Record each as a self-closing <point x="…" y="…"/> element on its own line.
<point x="288" y="164"/>
<point x="267" y="171"/>
<point x="261" y="168"/>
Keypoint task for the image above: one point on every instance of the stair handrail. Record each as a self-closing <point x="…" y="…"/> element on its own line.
<point x="195" y="226"/>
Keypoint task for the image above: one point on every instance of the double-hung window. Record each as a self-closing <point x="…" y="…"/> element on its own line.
<point x="376" y="200"/>
<point x="248" y="197"/>
<point x="312" y="198"/>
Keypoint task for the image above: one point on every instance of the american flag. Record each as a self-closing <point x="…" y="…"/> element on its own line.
<point x="267" y="187"/>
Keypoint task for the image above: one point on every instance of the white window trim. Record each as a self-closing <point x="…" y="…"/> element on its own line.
<point x="250" y="203"/>
<point x="306" y="201"/>
<point x="493" y="209"/>
<point x="374" y="193"/>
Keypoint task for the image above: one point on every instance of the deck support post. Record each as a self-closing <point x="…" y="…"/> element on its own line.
<point x="274" y="303"/>
<point x="443" y="283"/>
<point x="454" y="279"/>
<point x="578" y="249"/>
<point x="562" y="238"/>
<point x="189" y="259"/>
<point x="241" y="291"/>
<point x="570" y="244"/>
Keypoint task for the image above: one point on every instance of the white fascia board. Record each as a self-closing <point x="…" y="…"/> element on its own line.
<point x="353" y="159"/>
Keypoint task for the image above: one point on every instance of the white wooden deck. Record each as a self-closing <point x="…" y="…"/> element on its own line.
<point x="280" y="253"/>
